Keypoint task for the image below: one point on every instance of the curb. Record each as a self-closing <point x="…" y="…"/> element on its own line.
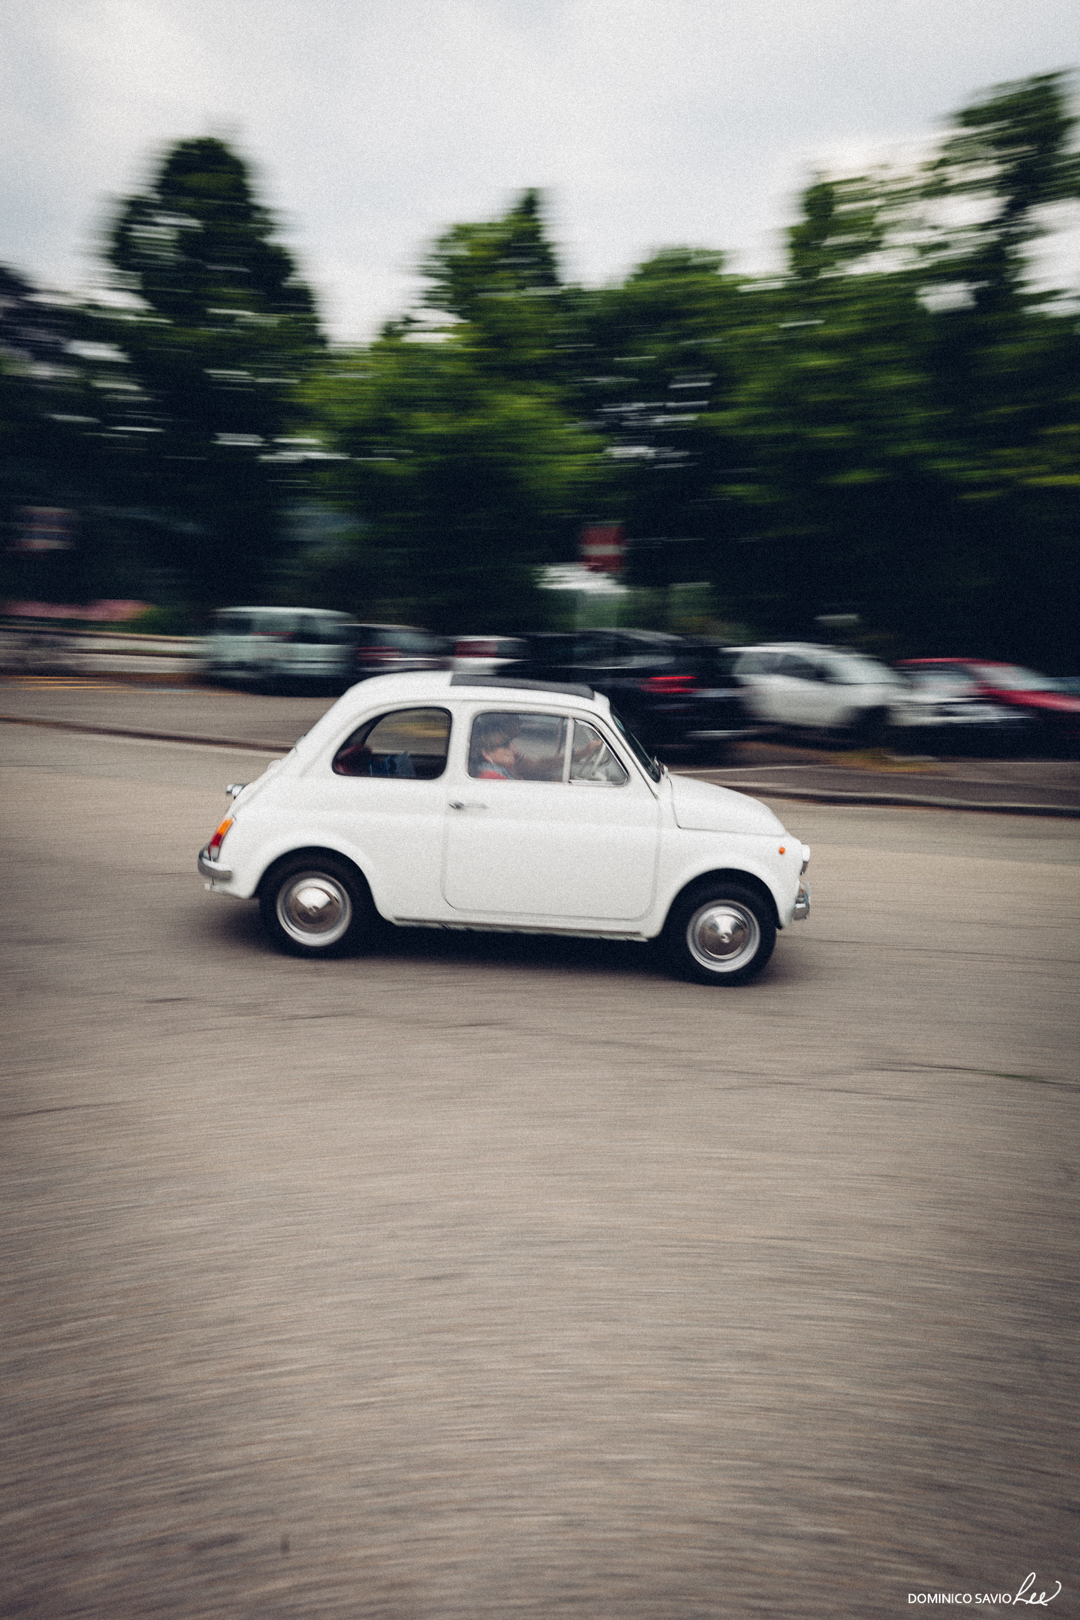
<point x="147" y="736"/>
<point x="126" y="677"/>
<point x="766" y="790"/>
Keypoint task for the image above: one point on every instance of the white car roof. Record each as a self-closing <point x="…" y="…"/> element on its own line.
<point x="438" y="686"/>
<point x="442" y="684"/>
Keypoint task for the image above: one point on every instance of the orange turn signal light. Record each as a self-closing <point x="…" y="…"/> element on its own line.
<point x="215" y="842"/>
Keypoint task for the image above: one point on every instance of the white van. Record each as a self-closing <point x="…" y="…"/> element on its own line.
<point x="277" y="647"/>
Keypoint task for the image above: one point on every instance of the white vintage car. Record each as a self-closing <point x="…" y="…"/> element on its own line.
<point x="442" y="800"/>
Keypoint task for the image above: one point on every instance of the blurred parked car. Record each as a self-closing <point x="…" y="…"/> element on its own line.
<point x="1056" y="712"/>
<point x="486" y="655"/>
<point x="672" y="691"/>
<point x="948" y="715"/>
<point x="466" y="801"/>
<point x="278" y="647"/>
<point x="823" y="689"/>
<point x="394" y="649"/>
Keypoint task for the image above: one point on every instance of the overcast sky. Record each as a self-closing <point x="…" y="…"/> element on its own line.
<point x="372" y="126"/>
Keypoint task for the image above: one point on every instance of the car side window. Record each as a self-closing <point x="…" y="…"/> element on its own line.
<point x="510" y="747"/>
<point x="757" y="663"/>
<point x="603" y="652"/>
<point x="591" y="760"/>
<point x="799" y="668"/>
<point x="233" y="624"/>
<point x="405" y="743"/>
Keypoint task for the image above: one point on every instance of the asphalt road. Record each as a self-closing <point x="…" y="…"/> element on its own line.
<point x="489" y="1278"/>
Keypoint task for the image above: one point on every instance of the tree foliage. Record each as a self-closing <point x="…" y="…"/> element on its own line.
<point x="216" y="340"/>
<point x="889" y="427"/>
<point x="466" y="483"/>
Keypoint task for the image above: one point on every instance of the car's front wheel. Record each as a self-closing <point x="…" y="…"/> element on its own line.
<point x="315" y="906"/>
<point x="720" y="933"/>
<point x="868" y="727"/>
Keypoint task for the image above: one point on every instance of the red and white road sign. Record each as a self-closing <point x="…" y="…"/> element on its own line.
<point x="601" y="548"/>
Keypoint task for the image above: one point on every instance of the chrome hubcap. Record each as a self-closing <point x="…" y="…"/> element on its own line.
<point x="314" y="909"/>
<point x="723" y="935"/>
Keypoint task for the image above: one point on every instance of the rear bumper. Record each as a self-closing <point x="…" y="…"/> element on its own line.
<point x="213" y="869"/>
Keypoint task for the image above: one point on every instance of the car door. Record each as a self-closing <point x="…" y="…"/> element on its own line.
<point x="229" y="648"/>
<point x="553" y="826"/>
<point x="799" y="691"/>
<point x="270" y="652"/>
<point x="386" y="801"/>
<point x="769" y="688"/>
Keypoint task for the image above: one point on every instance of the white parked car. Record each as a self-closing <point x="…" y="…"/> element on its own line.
<point x="824" y="689"/>
<point x="486" y="655"/>
<point x="279" y="647"/>
<point x="444" y="800"/>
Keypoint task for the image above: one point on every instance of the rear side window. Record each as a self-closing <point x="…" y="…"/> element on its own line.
<point x="757" y="663"/>
<point x="408" y="743"/>
<point x="232" y="624"/>
<point x="800" y="669"/>
<point x="324" y="631"/>
<point x="282" y="625"/>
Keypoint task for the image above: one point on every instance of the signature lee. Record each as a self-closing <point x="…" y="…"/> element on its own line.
<point x="1038" y="1599"/>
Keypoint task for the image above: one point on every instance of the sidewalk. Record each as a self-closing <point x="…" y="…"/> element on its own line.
<point x="1016" y="786"/>
<point x="211" y="715"/>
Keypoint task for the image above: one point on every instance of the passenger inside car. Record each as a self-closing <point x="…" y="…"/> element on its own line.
<point x="518" y="747"/>
<point x="493" y="756"/>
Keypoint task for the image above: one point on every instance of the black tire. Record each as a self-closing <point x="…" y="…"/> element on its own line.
<point x="316" y="905"/>
<point x="720" y="933"/>
<point x="869" y="728"/>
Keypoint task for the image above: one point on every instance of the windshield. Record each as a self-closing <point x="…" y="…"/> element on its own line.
<point x="640" y="752"/>
<point x="1011" y="678"/>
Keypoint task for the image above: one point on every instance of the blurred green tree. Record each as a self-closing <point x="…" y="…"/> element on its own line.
<point x="46" y="405"/>
<point x="463" y="457"/>
<point x="1008" y="161"/>
<point x="499" y="282"/>
<point x="216" y="331"/>
<point x="910" y="409"/>
<point x="465" y="483"/>
<point x="660" y="355"/>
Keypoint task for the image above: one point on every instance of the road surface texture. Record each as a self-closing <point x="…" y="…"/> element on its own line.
<point x="484" y="1277"/>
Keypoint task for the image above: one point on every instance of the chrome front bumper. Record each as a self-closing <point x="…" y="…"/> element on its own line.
<point x="213" y="869"/>
<point x="802" y="903"/>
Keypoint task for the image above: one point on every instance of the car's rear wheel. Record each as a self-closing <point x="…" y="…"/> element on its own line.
<point x="720" y="933"/>
<point x="315" y="906"/>
<point x="869" y="727"/>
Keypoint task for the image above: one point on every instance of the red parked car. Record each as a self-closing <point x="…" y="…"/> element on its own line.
<point x="1045" y="700"/>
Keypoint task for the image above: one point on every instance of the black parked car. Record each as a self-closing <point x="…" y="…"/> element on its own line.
<point x="672" y="691"/>
<point x="394" y="649"/>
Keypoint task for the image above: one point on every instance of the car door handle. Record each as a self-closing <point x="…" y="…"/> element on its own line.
<point x="467" y="804"/>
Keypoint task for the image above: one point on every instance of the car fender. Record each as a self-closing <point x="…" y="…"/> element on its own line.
<point x="692" y="856"/>
<point x="250" y="851"/>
